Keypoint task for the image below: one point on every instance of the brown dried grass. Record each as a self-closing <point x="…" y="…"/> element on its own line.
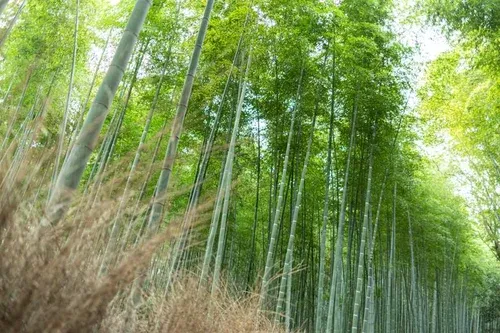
<point x="49" y="283"/>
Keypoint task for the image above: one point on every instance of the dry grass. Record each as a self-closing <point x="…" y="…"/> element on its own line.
<point x="192" y="309"/>
<point x="49" y="283"/>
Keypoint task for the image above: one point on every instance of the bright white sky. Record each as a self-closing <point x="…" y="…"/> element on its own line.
<point x="430" y="43"/>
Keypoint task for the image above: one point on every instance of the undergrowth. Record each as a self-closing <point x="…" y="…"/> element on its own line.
<point x="50" y="281"/>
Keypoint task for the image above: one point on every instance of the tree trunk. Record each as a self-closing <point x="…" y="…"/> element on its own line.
<point x="326" y="209"/>
<point x="287" y="268"/>
<point x="361" y="256"/>
<point x="228" y="171"/>
<point x="279" y="204"/>
<point x="337" y="263"/>
<point x="12" y="23"/>
<point x="161" y="188"/>
<point x="62" y="130"/>
<point x="71" y="173"/>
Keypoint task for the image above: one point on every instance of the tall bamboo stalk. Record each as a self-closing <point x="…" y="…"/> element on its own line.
<point x="256" y="209"/>
<point x="71" y="173"/>
<point x="111" y="143"/>
<point x="84" y="105"/>
<point x="390" y="275"/>
<point x="326" y="208"/>
<point x="146" y="127"/>
<point x="279" y="203"/>
<point x="12" y="22"/>
<point x="16" y="115"/>
<point x="287" y="268"/>
<point x="62" y="130"/>
<point x="228" y="170"/>
<point x="361" y="255"/>
<point x="203" y="167"/>
<point x="161" y="187"/>
<point x="337" y="264"/>
<point x="11" y="83"/>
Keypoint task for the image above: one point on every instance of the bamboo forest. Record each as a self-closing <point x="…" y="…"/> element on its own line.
<point x="250" y="166"/>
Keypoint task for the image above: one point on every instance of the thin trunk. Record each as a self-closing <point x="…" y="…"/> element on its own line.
<point x="434" y="307"/>
<point x="64" y="124"/>
<point x="214" y="224"/>
<point x="14" y="77"/>
<point x="287" y="268"/>
<point x="200" y="176"/>
<point x="203" y="167"/>
<point x="145" y="129"/>
<point x="14" y="118"/>
<point x="337" y="263"/>
<point x="367" y="328"/>
<point x="84" y="105"/>
<point x="144" y="187"/>
<point x="116" y="132"/>
<point x="279" y="204"/>
<point x="12" y="22"/>
<point x="227" y="181"/>
<point x="414" y="290"/>
<point x="361" y="256"/>
<point x="326" y="209"/>
<point x="390" y="278"/>
<point x="111" y="247"/>
<point x="23" y="141"/>
<point x="288" y="317"/>
<point x="71" y="173"/>
<point x="159" y="200"/>
<point x="256" y="209"/>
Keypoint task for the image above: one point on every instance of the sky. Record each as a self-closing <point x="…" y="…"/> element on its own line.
<point x="429" y="43"/>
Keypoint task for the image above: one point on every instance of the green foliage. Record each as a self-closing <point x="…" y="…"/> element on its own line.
<point x="351" y="60"/>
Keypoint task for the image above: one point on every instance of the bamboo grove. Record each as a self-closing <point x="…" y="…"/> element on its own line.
<point x="281" y="137"/>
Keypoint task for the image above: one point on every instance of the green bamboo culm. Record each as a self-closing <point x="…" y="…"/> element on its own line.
<point x="390" y="273"/>
<point x="326" y="207"/>
<point x="220" y="192"/>
<point x="287" y="267"/>
<point x="168" y="162"/>
<point x="337" y="263"/>
<point x="227" y="181"/>
<point x="5" y="142"/>
<point x="361" y="256"/>
<point x="279" y="204"/>
<point x="62" y="130"/>
<point x="12" y="22"/>
<point x="285" y="283"/>
<point x="71" y="172"/>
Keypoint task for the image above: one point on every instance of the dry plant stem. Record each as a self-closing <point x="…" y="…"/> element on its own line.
<point x="16" y="115"/>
